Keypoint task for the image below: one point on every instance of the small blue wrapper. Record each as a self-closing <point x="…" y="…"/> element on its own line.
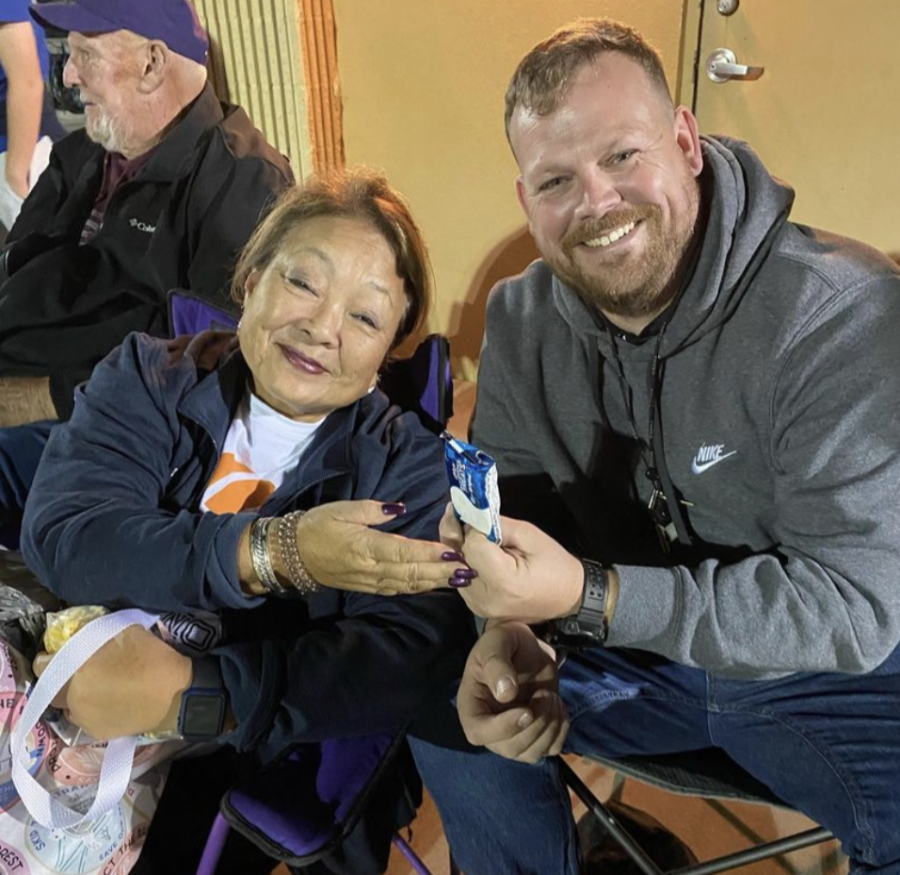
<point x="473" y="486"/>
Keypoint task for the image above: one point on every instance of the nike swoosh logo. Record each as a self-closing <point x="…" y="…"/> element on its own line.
<point x="700" y="467"/>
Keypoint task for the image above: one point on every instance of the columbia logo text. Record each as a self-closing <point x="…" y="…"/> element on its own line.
<point x="142" y="226"/>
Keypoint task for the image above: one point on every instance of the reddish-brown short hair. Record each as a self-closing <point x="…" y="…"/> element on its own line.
<point x="545" y="74"/>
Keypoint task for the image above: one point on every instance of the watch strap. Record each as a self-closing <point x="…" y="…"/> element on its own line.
<point x="589" y="626"/>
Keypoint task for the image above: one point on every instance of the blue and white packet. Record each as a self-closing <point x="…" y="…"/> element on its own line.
<point x="473" y="486"/>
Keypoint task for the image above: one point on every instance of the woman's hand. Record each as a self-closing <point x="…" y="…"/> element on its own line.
<point x="341" y="550"/>
<point x="131" y="685"/>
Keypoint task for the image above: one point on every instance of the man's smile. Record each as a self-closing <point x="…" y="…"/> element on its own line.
<point x="610" y="236"/>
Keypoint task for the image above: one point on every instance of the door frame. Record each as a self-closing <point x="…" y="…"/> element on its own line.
<point x="691" y="46"/>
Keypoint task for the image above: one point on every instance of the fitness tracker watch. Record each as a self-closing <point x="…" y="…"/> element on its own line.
<point x="204" y="704"/>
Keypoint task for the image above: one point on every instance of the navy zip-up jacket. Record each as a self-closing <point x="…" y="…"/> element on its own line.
<point x="113" y="518"/>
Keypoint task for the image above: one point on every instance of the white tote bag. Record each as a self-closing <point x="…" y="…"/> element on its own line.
<point x="83" y="808"/>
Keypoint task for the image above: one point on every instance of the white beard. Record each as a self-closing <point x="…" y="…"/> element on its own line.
<point x="112" y="135"/>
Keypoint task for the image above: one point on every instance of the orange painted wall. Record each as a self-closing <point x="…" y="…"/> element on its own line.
<point x="422" y="83"/>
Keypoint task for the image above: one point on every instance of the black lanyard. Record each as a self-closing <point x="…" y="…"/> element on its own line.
<point x="668" y="518"/>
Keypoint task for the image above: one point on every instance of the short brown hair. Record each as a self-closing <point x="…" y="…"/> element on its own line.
<point x="359" y="193"/>
<point x="545" y="74"/>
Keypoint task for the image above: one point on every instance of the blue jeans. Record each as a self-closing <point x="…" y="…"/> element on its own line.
<point x="827" y="744"/>
<point x="20" y="451"/>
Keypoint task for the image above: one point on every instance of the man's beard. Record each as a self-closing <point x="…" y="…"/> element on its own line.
<point x="113" y="135"/>
<point x="628" y="285"/>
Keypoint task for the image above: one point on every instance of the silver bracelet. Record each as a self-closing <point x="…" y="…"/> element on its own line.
<point x="261" y="556"/>
<point x="286" y="539"/>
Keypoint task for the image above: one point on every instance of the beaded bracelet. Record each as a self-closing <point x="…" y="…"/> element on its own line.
<point x="286" y="541"/>
<point x="261" y="557"/>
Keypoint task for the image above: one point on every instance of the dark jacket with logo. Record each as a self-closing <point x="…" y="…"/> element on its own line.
<point x="179" y="223"/>
<point x="778" y="425"/>
<point x="113" y="518"/>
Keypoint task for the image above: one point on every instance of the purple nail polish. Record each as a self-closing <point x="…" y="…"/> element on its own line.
<point x="451" y="556"/>
<point x="393" y="509"/>
<point x="459" y="581"/>
<point x="465" y="573"/>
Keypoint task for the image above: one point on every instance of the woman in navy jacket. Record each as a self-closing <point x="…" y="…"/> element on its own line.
<point x="120" y="511"/>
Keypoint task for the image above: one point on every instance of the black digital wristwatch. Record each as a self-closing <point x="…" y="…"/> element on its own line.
<point x="589" y="626"/>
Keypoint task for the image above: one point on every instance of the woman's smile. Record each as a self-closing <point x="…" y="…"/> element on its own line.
<point x="302" y="362"/>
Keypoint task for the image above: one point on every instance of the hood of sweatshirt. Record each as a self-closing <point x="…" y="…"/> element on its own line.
<point x="747" y="210"/>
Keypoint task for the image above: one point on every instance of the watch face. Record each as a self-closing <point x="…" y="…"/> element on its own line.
<point x="202" y="715"/>
<point x="573" y="634"/>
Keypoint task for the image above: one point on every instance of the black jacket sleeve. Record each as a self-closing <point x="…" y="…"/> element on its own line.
<point x="373" y="670"/>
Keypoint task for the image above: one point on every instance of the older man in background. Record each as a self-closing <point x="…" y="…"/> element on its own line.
<point x="158" y="192"/>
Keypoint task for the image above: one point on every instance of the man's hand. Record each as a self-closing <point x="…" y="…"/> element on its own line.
<point x="530" y="578"/>
<point x="451" y="529"/>
<point x="131" y="685"/>
<point x="508" y="698"/>
<point x="24" y="400"/>
<point x="341" y="550"/>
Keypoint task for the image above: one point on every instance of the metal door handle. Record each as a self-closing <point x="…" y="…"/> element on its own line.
<point x="722" y="66"/>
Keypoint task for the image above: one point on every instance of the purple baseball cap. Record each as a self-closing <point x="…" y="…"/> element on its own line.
<point x="174" y="22"/>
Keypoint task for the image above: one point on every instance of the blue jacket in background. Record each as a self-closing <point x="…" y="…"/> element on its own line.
<point x="15" y="11"/>
<point x="113" y="518"/>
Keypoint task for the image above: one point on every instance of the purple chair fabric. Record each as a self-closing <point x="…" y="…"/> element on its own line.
<point x="305" y="805"/>
<point x="189" y="314"/>
<point x="300" y="808"/>
<point x="422" y="382"/>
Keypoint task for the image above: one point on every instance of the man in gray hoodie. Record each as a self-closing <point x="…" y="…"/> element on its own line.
<point x="692" y="402"/>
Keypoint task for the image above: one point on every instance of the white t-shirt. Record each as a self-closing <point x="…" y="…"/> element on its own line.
<point x="261" y="446"/>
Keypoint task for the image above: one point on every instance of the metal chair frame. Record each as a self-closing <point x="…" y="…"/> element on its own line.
<point x="648" y="770"/>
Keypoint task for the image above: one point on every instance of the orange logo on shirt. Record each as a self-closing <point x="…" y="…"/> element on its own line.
<point x="234" y="487"/>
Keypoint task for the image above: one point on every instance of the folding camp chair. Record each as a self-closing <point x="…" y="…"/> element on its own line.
<point x="708" y="774"/>
<point x="314" y="816"/>
<point x="305" y="806"/>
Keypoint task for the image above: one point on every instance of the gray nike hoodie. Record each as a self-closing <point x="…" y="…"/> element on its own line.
<point x="780" y="425"/>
